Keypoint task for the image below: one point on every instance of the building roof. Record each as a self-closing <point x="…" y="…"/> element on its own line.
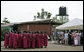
<point x="35" y="21"/>
<point x="6" y="25"/>
<point x="40" y="21"/>
<point x="73" y="24"/>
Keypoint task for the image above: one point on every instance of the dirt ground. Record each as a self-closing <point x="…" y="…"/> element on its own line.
<point x="51" y="47"/>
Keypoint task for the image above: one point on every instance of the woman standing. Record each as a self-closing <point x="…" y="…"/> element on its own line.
<point x="75" y="39"/>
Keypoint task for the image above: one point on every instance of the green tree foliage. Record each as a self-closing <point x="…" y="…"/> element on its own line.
<point x="5" y="21"/>
<point x="3" y="31"/>
<point x="38" y="15"/>
<point x="2" y="38"/>
<point x="46" y="13"/>
<point x="15" y="27"/>
<point x="55" y="19"/>
<point x="49" y="15"/>
<point x="62" y="19"/>
<point x="43" y="15"/>
<point x="34" y="17"/>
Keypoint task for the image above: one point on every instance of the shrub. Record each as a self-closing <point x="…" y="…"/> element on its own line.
<point x="3" y="34"/>
<point x="2" y="38"/>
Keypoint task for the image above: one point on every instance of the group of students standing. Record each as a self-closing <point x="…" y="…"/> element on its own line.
<point x="70" y="38"/>
<point x="26" y="40"/>
<point x="74" y="38"/>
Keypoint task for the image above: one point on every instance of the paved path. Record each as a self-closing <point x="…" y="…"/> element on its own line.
<point x="51" y="47"/>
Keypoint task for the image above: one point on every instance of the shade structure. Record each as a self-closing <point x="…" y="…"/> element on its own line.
<point x="73" y="24"/>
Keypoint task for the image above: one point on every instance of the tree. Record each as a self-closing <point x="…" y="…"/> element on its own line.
<point x="49" y="15"/>
<point x="34" y="17"/>
<point x="62" y="19"/>
<point x="38" y="15"/>
<point x="43" y="15"/>
<point x="55" y="19"/>
<point x="6" y="20"/>
<point x="15" y="27"/>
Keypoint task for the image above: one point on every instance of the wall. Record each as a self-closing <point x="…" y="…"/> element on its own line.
<point x="35" y="27"/>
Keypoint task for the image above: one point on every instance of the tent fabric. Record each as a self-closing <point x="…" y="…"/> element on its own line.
<point x="73" y="24"/>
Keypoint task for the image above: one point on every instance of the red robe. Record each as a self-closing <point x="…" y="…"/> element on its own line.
<point x="25" y="41"/>
<point x="6" y="40"/>
<point x="15" y="41"/>
<point x="37" y="41"/>
<point x="10" y="40"/>
<point x="19" y="40"/>
<point x="33" y="41"/>
<point x="42" y="39"/>
<point x="29" y="41"/>
<point x="45" y="40"/>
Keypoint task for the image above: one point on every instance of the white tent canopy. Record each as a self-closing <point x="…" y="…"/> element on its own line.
<point x="73" y="24"/>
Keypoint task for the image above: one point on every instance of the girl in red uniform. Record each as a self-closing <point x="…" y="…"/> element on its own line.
<point x="25" y="40"/>
<point x="10" y="45"/>
<point x="6" y="40"/>
<point x="33" y="40"/>
<point x="15" y="40"/>
<point x="45" y="40"/>
<point x="42" y="39"/>
<point x="29" y="40"/>
<point x="19" y="40"/>
<point x="37" y="40"/>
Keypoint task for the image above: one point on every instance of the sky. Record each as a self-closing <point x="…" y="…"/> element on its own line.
<point x="21" y="11"/>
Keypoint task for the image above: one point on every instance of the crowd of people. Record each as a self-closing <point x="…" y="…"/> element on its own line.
<point x="69" y="38"/>
<point x="26" y="40"/>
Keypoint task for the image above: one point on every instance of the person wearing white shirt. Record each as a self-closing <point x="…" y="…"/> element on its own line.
<point x="79" y="36"/>
<point x="66" y="38"/>
<point x="75" y="38"/>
